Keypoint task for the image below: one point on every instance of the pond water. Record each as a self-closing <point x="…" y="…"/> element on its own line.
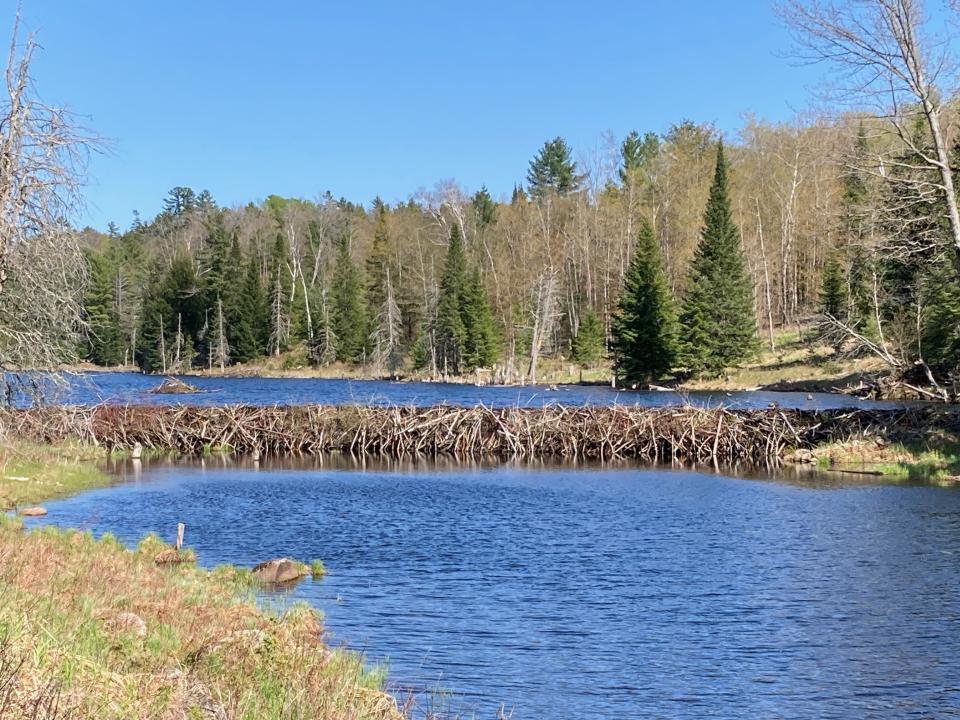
<point x="91" y="388"/>
<point x="564" y="592"/>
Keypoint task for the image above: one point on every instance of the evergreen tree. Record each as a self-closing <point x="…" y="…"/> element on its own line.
<point x="105" y="341"/>
<point x="718" y="323"/>
<point x="485" y="208"/>
<point x="481" y="342"/>
<point x="247" y="316"/>
<point x="940" y="340"/>
<point x="860" y="310"/>
<point x="348" y="310"/>
<point x="636" y="153"/>
<point x="588" y="345"/>
<point x="553" y="170"/>
<point x="833" y="290"/>
<point x="451" y="335"/>
<point x="645" y="324"/>
<point x="378" y="260"/>
<point x="215" y="259"/>
<point x="173" y="318"/>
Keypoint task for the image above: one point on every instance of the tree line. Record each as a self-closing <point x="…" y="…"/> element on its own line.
<point x="661" y="251"/>
<point x="448" y="283"/>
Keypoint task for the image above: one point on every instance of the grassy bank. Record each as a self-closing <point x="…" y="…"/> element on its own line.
<point x="31" y="473"/>
<point x="89" y="629"/>
<point x="930" y="460"/>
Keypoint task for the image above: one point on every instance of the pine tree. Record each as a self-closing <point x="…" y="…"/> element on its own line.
<point x="645" y="324"/>
<point x="860" y="311"/>
<point x="718" y="324"/>
<point x="833" y="290"/>
<point x="105" y="342"/>
<point x="248" y="319"/>
<point x="378" y="260"/>
<point x="553" y="170"/>
<point x="485" y="208"/>
<point x="214" y="259"/>
<point x="450" y="334"/>
<point x="940" y="339"/>
<point x="348" y="310"/>
<point x="481" y="342"/>
<point x="588" y="345"/>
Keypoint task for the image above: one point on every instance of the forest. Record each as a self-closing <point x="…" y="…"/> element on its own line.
<point x="626" y="254"/>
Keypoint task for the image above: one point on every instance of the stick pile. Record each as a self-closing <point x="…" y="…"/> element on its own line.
<point x="687" y="434"/>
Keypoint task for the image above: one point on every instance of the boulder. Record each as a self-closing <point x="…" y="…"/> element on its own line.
<point x="279" y="571"/>
<point x="32" y="512"/>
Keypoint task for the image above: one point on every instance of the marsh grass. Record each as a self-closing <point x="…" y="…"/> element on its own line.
<point x="90" y="629"/>
<point x="107" y="633"/>
<point x="934" y="459"/>
<point x="31" y="473"/>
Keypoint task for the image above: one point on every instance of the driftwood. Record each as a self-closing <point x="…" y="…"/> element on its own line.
<point x="687" y="434"/>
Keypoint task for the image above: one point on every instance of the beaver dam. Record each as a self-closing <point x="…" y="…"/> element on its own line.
<point x="684" y="434"/>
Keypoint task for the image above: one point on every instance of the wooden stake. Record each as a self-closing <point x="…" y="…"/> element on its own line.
<point x="180" y="528"/>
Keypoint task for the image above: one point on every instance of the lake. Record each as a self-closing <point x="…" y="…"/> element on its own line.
<point x="570" y="592"/>
<point x="117" y="387"/>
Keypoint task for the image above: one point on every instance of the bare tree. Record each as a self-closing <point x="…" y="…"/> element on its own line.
<point x="543" y="316"/>
<point x="890" y="62"/>
<point x="43" y="158"/>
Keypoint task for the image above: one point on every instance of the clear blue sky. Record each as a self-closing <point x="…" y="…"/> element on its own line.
<point x="365" y="98"/>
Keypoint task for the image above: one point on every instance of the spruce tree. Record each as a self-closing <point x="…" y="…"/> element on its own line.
<point x="451" y="334"/>
<point x="645" y="324"/>
<point x="718" y="324"/>
<point x="481" y="342"/>
<point x="833" y="290"/>
<point x="378" y="260"/>
<point x="588" y="345"/>
<point x="105" y="341"/>
<point x="248" y="317"/>
<point x="348" y="309"/>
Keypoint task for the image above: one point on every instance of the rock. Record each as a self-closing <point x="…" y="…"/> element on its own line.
<point x="130" y="622"/>
<point x="173" y="386"/>
<point x="804" y="456"/>
<point x="279" y="571"/>
<point x="32" y="512"/>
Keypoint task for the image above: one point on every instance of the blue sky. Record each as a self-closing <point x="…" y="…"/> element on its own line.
<point x="365" y="98"/>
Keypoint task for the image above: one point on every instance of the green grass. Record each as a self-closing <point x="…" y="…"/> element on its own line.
<point x="31" y="473"/>
<point x="936" y="460"/>
<point x="317" y="569"/>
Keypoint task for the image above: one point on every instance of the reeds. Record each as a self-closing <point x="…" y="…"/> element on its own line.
<point x="684" y="434"/>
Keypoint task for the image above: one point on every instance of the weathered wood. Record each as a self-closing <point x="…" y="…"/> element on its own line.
<point x="686" y="434"/>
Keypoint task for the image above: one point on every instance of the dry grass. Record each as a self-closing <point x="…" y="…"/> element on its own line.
<point x="89" y="629"/>
<point x="794" y="365"/>
<point x="30" y="473"/>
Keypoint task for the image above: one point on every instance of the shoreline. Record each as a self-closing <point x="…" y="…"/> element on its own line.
<point x="95" y="629"/>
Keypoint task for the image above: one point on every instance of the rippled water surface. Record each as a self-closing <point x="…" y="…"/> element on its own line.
<point x="571" y="593"/>
<point x="93" y="388"/>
